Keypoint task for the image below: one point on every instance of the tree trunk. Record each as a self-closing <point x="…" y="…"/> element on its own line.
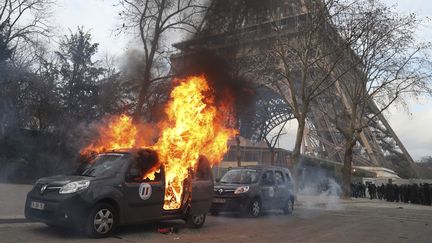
<point x="142" y="94"/>
<point x="272" y="156"/>
<point x="149" y="61"/>
<point x="347" y="168"/>
<point x="299" y="139"/>
<point x="238" y="151"/>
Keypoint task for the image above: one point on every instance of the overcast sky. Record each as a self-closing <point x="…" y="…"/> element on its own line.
<point x="101" y="18"/>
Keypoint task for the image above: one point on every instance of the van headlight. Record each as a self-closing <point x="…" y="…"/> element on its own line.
<point x="241" y="189"/>
<point x="74" y="186"/>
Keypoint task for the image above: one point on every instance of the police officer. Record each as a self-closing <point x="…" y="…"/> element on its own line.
<point x="427" y="193"/>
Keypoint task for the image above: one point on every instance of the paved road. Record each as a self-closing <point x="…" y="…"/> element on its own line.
<point x="351" y="221"/>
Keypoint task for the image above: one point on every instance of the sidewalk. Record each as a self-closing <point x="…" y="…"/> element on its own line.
<point x="12" y="202"/>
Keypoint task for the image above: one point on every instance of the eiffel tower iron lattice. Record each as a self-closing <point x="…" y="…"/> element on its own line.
<point x="240" y="31"/>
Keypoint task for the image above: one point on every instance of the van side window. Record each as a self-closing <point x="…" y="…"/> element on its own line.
<point x="268" y="178"/>
<point x="144" y="167"/>
<point x="288" y="177"/>
<point x="135" y="174"/>
<point x="155" y="177"/>
<point x="280" y="180"/>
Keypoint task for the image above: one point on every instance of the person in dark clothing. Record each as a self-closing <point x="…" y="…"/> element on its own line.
<point x="414" y="196"/>
<point x="389" y="193"/>
<point x="404" y="193"/>
<point x="359" y="188"/>
<point x="363" y="190"/>
<point x="421" y="195"/>
<point x="372" y="191"/>
<point x="396" y="192"/>
<point x="381" y="192"/>
<point x="427" y="194"/>
<point x="353" y="190"/>
<point x="409" y="192"/>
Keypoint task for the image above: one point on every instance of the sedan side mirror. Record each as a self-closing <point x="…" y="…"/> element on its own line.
<point x="218" y="179"/>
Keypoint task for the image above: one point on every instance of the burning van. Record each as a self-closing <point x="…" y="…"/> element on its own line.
<point x="153" y="180"/>
<point x="115" y="189"/>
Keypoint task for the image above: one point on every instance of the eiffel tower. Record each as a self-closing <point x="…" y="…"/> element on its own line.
<point x="237" y="30"/>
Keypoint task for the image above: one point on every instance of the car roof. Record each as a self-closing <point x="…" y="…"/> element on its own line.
<point x="121" y="151"/>
<point x="261" y="167"/>
<point x="114" y="153"/>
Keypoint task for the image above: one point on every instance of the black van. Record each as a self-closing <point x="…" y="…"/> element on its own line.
<point x="252" y="189"/>
<point x="110" y="192"/>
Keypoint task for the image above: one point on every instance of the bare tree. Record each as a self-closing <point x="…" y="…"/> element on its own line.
<point x="20" y="22"/>
<point x="272" y="141"/>
<point x="308" y="62"/>
<point x="391" y="66"/>
<point x="154" y="20"/>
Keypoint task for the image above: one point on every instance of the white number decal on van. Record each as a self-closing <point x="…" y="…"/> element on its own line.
<point x="145" y="191"/>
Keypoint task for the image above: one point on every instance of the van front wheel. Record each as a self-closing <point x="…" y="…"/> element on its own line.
<point x="102" y="221"/>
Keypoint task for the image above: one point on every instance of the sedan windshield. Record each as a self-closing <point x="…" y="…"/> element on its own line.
<point x="105" y="165"/>
<point x="240" y="176"/>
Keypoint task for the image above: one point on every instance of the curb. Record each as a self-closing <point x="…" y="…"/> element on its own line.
<point x="15" y="220"/>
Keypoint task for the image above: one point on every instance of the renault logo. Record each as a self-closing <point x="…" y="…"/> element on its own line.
<point x="43" y="188"/>
<point x="220" y="191"/>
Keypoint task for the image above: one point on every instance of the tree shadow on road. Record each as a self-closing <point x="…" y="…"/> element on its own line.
<point x="146" y="229"/>
<point x="269" y="213"/>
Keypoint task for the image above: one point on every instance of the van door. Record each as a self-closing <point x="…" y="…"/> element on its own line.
<point x="202" y="188"/>
<point x="282" y="190"/>
<point x="144" y="198"/>
<point x="268" y="189"/>
<point x="290" y="183"/>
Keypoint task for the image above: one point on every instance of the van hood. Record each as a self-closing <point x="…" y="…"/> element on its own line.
<point x="228" y="186"/>
<point x="61" y="180"/>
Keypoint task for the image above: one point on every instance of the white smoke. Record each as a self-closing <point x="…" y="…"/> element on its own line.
<point x="323" y="194"/>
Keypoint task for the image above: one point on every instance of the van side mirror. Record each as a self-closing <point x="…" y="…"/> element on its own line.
<point x="218" y="179"/>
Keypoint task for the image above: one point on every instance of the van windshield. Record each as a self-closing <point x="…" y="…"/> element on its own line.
<point x="240" y="176"/>
<point x="104" y="165"/>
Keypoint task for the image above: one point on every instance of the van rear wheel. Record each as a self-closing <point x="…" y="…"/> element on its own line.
<point x="289" y="206"/>
<point x="195" y="221"/>
<point x="101" y="221"/>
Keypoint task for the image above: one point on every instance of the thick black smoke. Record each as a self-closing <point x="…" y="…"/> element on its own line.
<point x="222" y="78"/>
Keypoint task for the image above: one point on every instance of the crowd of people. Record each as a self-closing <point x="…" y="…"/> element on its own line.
<point x="407" y="193"/>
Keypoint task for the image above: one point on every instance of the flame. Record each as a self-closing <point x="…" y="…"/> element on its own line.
<point x="195" y="125"/>
<point x="193" y="128"/>
<point x="120" y="132"/>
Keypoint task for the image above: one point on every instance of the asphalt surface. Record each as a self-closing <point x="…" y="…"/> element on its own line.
<point x="314" y="220"/>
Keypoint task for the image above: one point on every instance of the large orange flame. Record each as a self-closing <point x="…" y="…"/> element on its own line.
<point x="119" y="132"/>
<point x="195" y="126"/>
